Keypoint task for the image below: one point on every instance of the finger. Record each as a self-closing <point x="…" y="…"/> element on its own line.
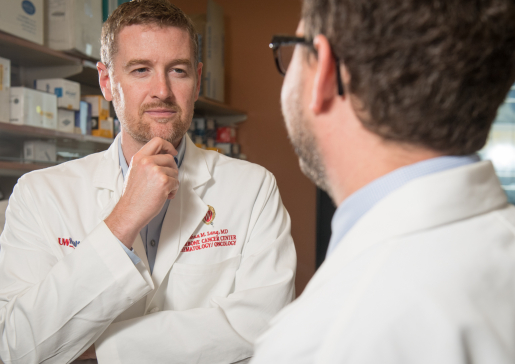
<point x="148" y="162"/>
<point x="170" y="172"/>
<point x="164" y="160"/>
<point x="158" y="146"/>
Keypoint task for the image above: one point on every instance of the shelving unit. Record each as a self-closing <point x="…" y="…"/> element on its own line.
<point x="64" y="140"/>
<point x="31" y="61"/>
<point x="17" y="169"/>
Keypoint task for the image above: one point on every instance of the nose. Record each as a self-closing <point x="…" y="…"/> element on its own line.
<point x="161" y="87"/>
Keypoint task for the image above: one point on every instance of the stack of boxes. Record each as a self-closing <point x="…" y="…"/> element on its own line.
<point x="68" y="100"/>
<point x="56" y="104"/>
<point x="101" y="122"/>
<point x="206" y="134"/>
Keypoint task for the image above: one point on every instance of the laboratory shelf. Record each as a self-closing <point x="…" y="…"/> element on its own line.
<point x="17" y="169"/>
<point x="223" y="113"/>
<point x="63" y="140"/>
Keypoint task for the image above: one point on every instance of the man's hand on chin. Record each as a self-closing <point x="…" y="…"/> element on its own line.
<point x="88" y="354"/>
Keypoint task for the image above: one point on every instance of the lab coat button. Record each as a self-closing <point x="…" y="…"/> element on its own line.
<point x="153" y="243"/>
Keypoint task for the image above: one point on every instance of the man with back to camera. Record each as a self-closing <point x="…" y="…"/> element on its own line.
<point x="173" y="260"/>
<point x="386" y="103"/>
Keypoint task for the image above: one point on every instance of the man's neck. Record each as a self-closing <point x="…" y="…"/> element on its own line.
<point x="353" y="161"/>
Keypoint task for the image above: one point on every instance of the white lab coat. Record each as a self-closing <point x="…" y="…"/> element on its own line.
<point x="426" y="276"/>
<point x="200" y="306"/>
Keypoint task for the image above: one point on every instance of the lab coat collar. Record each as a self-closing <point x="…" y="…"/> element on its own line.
<point x="422" y="204"/>
<point x="106" y="176"/>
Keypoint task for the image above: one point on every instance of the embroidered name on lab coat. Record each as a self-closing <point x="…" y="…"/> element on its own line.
<point x="209" y="239"/>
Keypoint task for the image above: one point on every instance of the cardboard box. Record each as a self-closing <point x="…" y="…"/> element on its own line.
<point x="75" y="26"/>
<point x="37" y="151"/>
<point x="105" y="128"/>
<point x="67" y="92"/>
<point x="211" y="34"/>
<point x="99" y="110"/>
<point x="224" y="148"/>
<point x="5" y="89"/>
<point x="32" y="107"/>
<point x="226" y="134"/>
<point x="83" y="119"/>
<point x="66" y="120"/>
<point x="23" y="18"/>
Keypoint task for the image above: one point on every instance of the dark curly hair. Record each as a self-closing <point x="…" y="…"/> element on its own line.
<point x="144" y="12"/>
<point x="430" y="73"/>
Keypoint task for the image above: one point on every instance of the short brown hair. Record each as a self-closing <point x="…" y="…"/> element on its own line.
<point x="430" y="73"/>
<point x="144" y="12"/>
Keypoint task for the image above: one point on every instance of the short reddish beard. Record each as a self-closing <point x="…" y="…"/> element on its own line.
<point x="142" y="131"/>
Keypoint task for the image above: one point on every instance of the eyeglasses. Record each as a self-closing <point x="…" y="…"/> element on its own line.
<point x="283" y="47"/>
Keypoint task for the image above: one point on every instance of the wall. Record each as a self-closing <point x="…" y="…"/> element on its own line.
<point x="253" y="84"/>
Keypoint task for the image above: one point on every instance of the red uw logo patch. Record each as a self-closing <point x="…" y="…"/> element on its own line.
<point x="68" y="242"/>
<point x="210" y="216"/>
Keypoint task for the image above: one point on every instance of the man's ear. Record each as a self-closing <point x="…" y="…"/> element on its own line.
<point x="104" y="80"/>
<point x="324" y="85"/>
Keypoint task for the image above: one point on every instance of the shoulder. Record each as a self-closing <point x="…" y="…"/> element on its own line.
<point x="79" y="169"/>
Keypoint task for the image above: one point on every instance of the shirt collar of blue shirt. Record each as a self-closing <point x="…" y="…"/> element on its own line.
<point x="181" y="149"/>
<point x="361" y="201"/>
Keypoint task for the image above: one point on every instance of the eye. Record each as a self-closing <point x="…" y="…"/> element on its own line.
<point x="140" y="70"/>
<point x="179" y="71"/>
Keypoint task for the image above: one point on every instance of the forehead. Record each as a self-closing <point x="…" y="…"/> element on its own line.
<point x="151" y="41"/>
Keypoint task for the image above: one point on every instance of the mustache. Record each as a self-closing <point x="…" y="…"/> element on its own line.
<point x="171" y="106"/>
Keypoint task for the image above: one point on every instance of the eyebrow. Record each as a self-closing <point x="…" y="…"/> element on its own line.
<point x="146" y="62"/>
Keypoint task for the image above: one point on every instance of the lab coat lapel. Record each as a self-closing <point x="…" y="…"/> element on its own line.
<point x="422" y="204"/>
<point x="185" y="212"/>
<point x="108" y="179"/>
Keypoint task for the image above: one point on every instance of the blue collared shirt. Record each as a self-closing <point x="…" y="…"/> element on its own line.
<point x="361" y="201"/>
<point x="150" y="233"/>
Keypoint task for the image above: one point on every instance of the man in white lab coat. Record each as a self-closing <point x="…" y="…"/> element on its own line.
<point x="386" y="103"/>
<point x="154" y="251"/>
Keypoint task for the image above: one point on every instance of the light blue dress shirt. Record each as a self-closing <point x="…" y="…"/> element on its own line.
<point x="361" y="201"/>
<point x="150" y="233"/>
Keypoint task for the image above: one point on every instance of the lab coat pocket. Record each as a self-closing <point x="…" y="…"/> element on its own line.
<point x="193" y="285"/>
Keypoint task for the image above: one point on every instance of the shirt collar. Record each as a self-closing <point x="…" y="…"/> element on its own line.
<point x="181" y="149"/>
<point x="361" y="201"/>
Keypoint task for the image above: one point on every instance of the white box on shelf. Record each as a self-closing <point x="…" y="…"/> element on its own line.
<point x="37" y="151"/>
<point x="32" y="107"/>
<point x="5" y="89"/>
<point x="66" y="120"/>
<point x="23" y="18"/>
<point x="75" y="26"/>
<point x="67" y="92"/>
